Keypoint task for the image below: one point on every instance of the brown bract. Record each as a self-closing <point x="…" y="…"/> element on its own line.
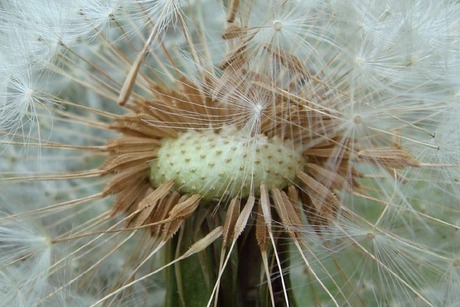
<point x="173" y="113"/>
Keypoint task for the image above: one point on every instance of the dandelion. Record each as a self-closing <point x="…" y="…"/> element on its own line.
<point x="235" y="153"/>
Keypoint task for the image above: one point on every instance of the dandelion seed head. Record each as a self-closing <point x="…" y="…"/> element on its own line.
<point x="323" y="133"/>
<point x="240" y="164"/>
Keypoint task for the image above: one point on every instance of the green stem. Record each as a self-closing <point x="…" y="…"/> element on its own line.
<point x="190" y="282"/>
